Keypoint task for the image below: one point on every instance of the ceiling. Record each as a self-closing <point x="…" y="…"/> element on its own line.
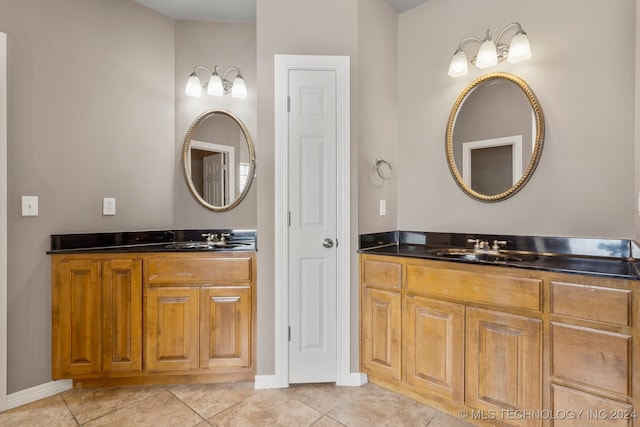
<point x="231" y="11"/>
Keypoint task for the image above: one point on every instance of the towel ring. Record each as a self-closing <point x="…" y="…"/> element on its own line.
<point x="383" y="168"/>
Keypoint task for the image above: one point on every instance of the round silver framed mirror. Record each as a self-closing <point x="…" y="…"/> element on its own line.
<point x="494" y="137"/>
<point x="218" y="160"/>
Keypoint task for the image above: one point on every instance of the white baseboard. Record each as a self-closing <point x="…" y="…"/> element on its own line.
<point x="355" y="379"/>
<point x="263" y="382"/>
<point x="38" y="392"/>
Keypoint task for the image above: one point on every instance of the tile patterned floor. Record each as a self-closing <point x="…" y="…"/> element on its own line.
<point x="229" y="405"/>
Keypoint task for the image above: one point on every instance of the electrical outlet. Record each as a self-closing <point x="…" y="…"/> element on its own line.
<point x="108" y="206"/>
<point x="29" y="205"/>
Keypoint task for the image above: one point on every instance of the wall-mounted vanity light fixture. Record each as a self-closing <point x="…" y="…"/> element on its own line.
<point x="217" y="85"/>
<point x="490" y="52"/>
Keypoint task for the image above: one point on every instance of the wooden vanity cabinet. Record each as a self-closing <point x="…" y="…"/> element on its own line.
<point x="144" y="317"/>
<point x="380" y="318"/>
<point x="193" y="328"/>
<point x="502" y="342"/>
<point x="97" y="316"/>
<point x="592" y="336"/>
<point x="199" y="312"/>
<point x="473" y="336"/>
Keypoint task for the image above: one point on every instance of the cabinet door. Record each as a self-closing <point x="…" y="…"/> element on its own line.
<point x="434" y="342"/>
<point x="225" y="327"/>
<point x="503" y="364"/>
<point x="380" y="333"/>
<point x="76" y="319"/>
<point x="172" y="328"/>
<point x="122" y="315"/>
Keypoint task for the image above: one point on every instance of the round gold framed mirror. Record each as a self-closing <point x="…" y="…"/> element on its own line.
<point x="494" y="137"/>
<point x="218" y="160"/>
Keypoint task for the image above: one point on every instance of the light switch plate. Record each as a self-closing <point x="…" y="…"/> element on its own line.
<point x="29" y="205"/>
<point x="383" y="207"/>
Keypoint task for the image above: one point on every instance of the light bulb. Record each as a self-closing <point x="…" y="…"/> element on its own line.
<point x="487" y="54"/>
<point x="458" y="66"/>
<point x="215" y="87"/>
<point x="193" y="87"/>
<point x="519" y="49"/>
<point x="239" y="88"/>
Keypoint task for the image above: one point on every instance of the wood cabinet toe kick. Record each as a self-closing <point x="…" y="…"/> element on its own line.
<point x="507" y="346"/>
<point x="140" y="318"/>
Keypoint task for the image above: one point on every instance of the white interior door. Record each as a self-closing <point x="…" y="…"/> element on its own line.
<point x="214" y="177"/>
<point x="340" y="65"/>
<point x="226" y="155"/>
<point x="313" y="223"/>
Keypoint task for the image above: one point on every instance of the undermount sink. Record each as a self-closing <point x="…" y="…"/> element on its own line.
<point x="207" y="245"/>
<point x="473" y="255"/>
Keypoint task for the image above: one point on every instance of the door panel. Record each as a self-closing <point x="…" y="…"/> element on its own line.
<point x="503" y="362"/>
<point x="172" y="329"/>
<point x="80" y="314"/>
<point x="381" y="339"/>
<point x="435" y="346"/>
<point x="225" y="327"/>
<point x="313" y="210"/>
<point x="122" y="315"/>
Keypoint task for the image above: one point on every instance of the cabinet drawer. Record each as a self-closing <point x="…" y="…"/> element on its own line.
<point x="592" y="410"/>
<point x="607" y="305"/>
<point x="198" y="270"/>
<point x="382" y="273"/>
<point x="505" y="291"/>
<point x="592" y="357"/>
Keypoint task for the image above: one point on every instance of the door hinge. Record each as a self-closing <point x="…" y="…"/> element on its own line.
<point x="289" y="333"/>
<point x="288" y="103"/>
<point x="289" y="218"/>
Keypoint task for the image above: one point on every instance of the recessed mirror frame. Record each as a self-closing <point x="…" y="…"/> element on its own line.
<point x="185" y="160"/>
<point x="537" y="149"/>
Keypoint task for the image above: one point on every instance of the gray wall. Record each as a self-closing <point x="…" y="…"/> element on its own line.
<point x="290" y="27"/>
<point x="96" y="90"/>
<point x="226" y="45"/>
<point x="378" y="116"/>
<point x="364" y="30"/>
<point x="91" y="115"/>
<point x="584" y="80"/>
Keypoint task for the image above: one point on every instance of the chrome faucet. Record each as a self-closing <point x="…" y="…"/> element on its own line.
<point x="499" y="244"/>
<point x="483" y="245"/>
<point x="211" y="237"/>
<point x="479" y="245"/>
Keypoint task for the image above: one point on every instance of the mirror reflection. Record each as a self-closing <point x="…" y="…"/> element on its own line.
<point x="494" y="137"/>
<point x="219" y="160"/>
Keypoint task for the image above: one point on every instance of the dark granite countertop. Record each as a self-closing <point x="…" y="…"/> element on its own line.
<point x="153" y="241"/>
<point x="616" y="258"/>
